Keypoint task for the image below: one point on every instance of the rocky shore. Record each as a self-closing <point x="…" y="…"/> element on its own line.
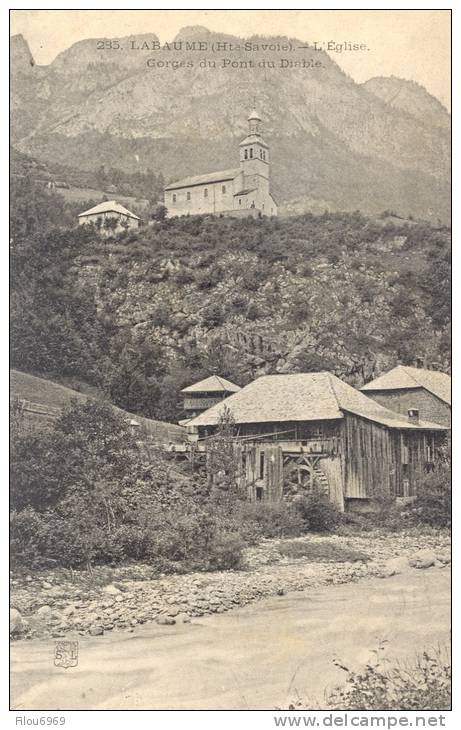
<point x="60" y="603"/>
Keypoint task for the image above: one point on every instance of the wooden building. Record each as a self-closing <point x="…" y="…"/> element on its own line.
<point x="294" y="431"/>
<point x="404" y="388"/>
<point x="201" y="396"/>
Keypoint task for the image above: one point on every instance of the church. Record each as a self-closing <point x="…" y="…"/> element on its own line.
<point x="242" y="191"/>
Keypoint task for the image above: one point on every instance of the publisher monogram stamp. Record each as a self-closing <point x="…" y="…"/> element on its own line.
<point x="66" y="654"/>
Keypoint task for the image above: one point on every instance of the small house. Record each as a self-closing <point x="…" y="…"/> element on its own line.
<point x="404" y="388"/>
<point x="299" y="430"/>
<point x="201" y="396"/>
<point x="109" y="217"/>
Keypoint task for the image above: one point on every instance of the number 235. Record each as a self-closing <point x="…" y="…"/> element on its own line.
<point x="108" y="45"/>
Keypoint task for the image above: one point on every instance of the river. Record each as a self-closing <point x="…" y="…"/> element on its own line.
<point x="256" y="657"/>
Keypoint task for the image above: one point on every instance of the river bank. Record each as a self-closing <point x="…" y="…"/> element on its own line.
<point x="54" y="604"/>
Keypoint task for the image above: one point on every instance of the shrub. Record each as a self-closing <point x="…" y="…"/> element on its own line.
<point x="317" y="512"/>
<point x="420" y="684"/>
<point x="225" y="552"/>
<point x="433" y="503"/>
<point x="424" y="684"/>
<point x="270" y="519"/>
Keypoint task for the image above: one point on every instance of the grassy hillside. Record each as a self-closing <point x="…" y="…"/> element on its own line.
<point x="54" y="396"/>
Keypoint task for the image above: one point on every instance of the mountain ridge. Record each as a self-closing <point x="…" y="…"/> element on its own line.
<point x="322" y="126"/>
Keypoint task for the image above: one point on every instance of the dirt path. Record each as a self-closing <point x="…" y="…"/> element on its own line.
<point x="256" y="657"/>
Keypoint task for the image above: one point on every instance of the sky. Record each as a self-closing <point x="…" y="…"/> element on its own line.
<point x="410" y="44"/>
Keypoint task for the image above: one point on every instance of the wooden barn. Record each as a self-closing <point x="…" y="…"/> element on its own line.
<point x="294" y="431"/>
<point x="204" y="394"/>
<point x="406" y="387"/>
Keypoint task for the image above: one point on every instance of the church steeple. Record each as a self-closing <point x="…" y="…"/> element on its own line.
<point x="254" y="152"/>
<point x="254" y="122"/>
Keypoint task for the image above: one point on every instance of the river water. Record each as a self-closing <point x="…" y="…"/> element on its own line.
<point x="256" y="657"/>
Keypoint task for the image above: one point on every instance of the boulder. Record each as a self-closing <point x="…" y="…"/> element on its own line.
<point x="422" y="559"/>
<point x="16" y="621"/>
<point x="111" y="590"/>
<point x="44" y="612"/>
<point x="395" y="566"/>
<point x="444" y="558"/>
<point x="165" y="620"/>
<point x="96" y="630"/>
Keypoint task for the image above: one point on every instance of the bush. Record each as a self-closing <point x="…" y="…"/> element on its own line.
<point x="433" y="503"/>
<point x="424" y="684"/>
<point x="225" y="552"/>
<point x="420" y="684"/>
<point x="317" y="512"/>
<point x="270" y="519"/>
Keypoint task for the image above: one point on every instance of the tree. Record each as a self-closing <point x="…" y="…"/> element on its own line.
<point x="224" y="465"/>
<point x="77" y="475"/>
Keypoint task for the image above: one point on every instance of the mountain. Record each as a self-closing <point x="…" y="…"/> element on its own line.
<point x="335" y="144"/>
<point x="411" y="98"/>
<point x="20" y="56"/>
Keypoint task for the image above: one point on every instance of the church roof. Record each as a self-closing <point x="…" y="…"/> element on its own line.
<point x="254" y="116"/>
<point x="210" y="177"/>
<point x="253" y="139"/>
<point x="244" y="192"/>
<point x="403" y="377"/>
<point x="109" y="206"/>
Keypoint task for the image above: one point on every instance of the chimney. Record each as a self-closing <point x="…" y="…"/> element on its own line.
<point x="413" y="415"/>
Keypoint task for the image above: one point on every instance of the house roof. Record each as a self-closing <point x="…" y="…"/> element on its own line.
<point x="210" y="177"/>
<point x="303" y="397"/>
<point x="403" y="376"/>
<point x="109" y="206"/>
<point x="211" y="385"/>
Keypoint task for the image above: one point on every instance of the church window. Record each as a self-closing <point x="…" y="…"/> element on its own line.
<point x="188" y="196"/>
<point x="205" y="193"/>
<point x="246" y="154"/>
<point x="174" y="197"/>
<point x="223" y="189"/>
<point x="251" y="152"/>
<point x="240" y="201"/>
<point x="261" y="154"/>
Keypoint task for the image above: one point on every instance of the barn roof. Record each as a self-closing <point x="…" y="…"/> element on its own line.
<point x="210" y="177"/>
<point x="109" y="206"/>
<point x="403" y="376"/>
<point x="303" y="397"/>
<point x="212" y="384"/>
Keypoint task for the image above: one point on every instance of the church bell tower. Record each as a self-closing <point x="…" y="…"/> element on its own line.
<point x="254" y="154"/>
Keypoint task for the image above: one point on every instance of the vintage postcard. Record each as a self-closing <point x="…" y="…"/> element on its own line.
<point x="230" y="252"/>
